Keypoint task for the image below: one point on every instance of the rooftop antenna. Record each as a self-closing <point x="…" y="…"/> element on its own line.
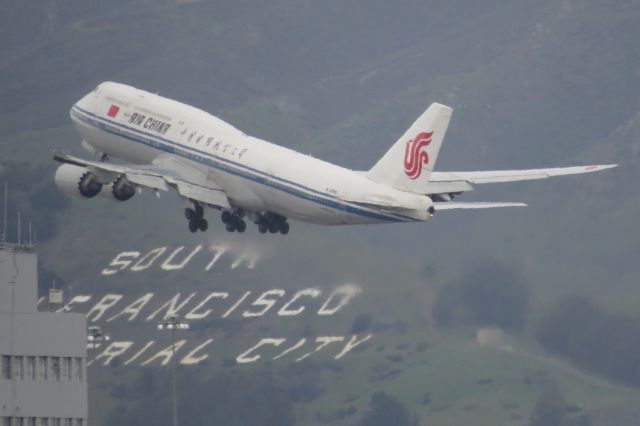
<point x="19" y="229"/>
<point x="4" y="219"/>
<point x="30" y="235"/>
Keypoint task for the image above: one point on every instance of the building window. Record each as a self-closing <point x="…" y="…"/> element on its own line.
<point x="55" y="421"/>
<point x="6" y="367"/>
<point x="79" y="422"/>
<point x="42" y="368"/>
<point x="68" y="422"/>
<point x="18" y="369"/>
<point x="66" y="368"/>
<point x="78" y="369"/>
<point x="6" y="421"/>
<point x="43" y="421"/>
<point x="55" y="368"/>
<point x="31" y="368"/>
<point x="31" y="421"/>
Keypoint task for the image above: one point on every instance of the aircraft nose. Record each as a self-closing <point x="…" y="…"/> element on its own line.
<point x="83" y="102"/>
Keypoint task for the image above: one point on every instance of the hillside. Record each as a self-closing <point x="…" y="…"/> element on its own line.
<point x="538" y="83"/>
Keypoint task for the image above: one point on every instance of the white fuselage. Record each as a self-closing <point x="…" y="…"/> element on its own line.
<point x="142" y="128"/>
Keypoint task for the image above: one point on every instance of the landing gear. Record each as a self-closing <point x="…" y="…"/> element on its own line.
<point x="273" y="223"/>
<point x="262" y="228"/>
<point x="233" y="221"/>
<point x="284" y="228"/>
<point x="196" y="219"/>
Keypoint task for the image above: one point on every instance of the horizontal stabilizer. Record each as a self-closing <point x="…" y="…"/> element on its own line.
<point x="473" y="205"/>
<point x="496" y="176"/>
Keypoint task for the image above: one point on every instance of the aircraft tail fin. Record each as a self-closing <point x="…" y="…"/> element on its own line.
<point x="410" y="161"/>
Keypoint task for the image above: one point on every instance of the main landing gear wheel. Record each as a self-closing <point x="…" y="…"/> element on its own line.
<point x="272" y="223"/>
<point x="273" y="227"/>
<point x="199" y="211"/>
<point x="195" y="217"/>
<point x="233" y="221"/>
<point x="262" y="228"/>
<point x="226" y="216"/>
<point x="284" y="228"/>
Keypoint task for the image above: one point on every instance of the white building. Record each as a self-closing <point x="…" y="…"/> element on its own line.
<point x="43" y="377"/>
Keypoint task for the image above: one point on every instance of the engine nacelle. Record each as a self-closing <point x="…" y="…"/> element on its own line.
<point x="77" y="182"/>
<point x="122" y="190"/>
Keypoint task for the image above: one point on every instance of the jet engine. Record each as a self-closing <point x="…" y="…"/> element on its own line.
<point x="119" y="190"/>
<point x="77" y="182"/>
<point x="122" y="190"/>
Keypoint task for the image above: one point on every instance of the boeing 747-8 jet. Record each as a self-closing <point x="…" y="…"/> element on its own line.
<point x="142" y="140"/>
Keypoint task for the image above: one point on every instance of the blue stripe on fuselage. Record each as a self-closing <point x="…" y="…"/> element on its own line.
<point x="217" y="162"/>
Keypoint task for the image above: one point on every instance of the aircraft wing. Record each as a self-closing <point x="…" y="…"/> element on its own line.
<point x="513" y="175"/>
<point x="164" y="174"/>
<point x="451" y="205"/>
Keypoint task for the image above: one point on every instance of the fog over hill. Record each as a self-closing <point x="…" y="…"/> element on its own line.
<point x="538" y="83"/>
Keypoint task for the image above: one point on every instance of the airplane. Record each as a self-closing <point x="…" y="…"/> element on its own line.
<point x="142" y="140"/>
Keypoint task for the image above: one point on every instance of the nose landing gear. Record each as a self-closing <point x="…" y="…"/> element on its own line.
<point x="196" y="219"/>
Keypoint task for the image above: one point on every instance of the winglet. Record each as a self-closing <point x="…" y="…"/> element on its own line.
<point x="598" y="167"/>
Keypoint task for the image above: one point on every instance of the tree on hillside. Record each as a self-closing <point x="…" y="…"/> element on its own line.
<point x="385" y="410"/>
<point x="488" y="293"/>
<point x="551" y="409"/>
<point x="601" y="341"/>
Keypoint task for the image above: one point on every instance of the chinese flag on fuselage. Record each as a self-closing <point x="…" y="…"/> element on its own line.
<point x="113" y="111"/>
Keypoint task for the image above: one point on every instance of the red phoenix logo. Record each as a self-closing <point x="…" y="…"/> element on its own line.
<point x="415" y="155"/>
